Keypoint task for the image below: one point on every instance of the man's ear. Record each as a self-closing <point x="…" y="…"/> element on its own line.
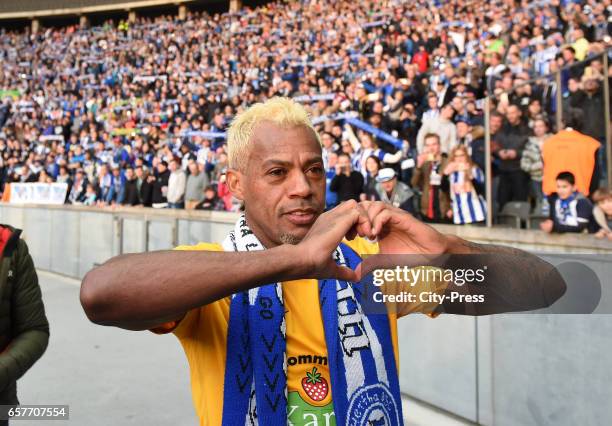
<point x="235" y="181"/>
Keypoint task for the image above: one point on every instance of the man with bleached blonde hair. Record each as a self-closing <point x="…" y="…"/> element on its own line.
<point x="271" y="319"/>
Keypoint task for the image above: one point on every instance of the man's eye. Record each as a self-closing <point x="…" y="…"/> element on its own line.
<point x="277" y="172"/>
<point x="316" y="170"/>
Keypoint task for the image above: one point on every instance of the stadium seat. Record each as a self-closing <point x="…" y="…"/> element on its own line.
<point x="534" y="220"/>
<point x="513" y="213"/>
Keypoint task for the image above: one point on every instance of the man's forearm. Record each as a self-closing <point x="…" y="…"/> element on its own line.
<point x="515" y="280"/>
<point x="139" y="291"/>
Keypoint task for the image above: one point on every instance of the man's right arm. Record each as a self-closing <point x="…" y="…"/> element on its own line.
<point x="142" y="291"/>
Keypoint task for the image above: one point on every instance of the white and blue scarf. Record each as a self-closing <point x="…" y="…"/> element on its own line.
<point x="363" y="373"/>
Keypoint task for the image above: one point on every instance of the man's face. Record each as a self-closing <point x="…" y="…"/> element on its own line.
<point x="564" y="189"/>
<point x="513" y="114"/>
<point x="591" y="85"/>
<point x="496" y="123"/>
<point x="462" y="129"/>
<point x="432" y="146"/>
<point x="332" y="160"/>
<point x="389" y="185"/>
<point x="327" y="140"/>
<point x="344" y="162"/>
<point x="283" y="183"/>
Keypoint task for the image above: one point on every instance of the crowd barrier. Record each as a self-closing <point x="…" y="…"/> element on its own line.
<point x="527" y="369"/>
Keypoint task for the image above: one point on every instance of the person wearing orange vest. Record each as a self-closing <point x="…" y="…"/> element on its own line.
<point x="569" y="151"/>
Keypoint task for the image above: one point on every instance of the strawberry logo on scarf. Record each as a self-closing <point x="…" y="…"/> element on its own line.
<point x="314" y="385"/>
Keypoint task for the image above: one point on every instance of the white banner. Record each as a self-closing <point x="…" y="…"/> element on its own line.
<point x="38" y="193"/>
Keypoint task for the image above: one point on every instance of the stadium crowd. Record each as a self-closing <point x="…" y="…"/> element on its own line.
<point x="135" y="113"/>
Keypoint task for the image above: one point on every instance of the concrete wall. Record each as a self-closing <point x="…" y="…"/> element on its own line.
<point x="530" y="369"/>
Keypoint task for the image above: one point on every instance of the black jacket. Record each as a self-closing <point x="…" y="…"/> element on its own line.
<point x="131" y="197"/>
<point x="592" y="106"/>
<point x="347" y="187"/>
<point x="512" y="137"/>
<point x="161" y="180"/>
<point x="24" y="329"/>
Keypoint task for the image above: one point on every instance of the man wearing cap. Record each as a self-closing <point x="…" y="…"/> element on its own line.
<point x="394" y="192"/>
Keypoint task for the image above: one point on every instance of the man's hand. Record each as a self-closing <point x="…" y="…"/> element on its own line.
<point x="399" y="232"/>
<point x="347" y="220"/>
<point x="547" y="226"/>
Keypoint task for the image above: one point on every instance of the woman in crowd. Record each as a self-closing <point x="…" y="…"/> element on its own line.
<point x="372" y="166"/>
<point x="465" y="182"/>
<point x="531" y="161"/>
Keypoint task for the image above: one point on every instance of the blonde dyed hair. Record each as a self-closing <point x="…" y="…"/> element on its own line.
<point x="284" y="112"/>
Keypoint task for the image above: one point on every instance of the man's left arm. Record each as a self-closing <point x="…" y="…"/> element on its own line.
<point x="512" y="279"/>
<point x="30" y="327"/>
<point x="515" y="280"/>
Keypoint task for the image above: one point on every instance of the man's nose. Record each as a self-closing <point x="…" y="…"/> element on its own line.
<point x="299" y="185"/>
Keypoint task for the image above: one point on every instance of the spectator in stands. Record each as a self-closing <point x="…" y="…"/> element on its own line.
<point x="391" y="191"/>
<point x="373" y="166"/>
<point x="79" y="188"/>
<point x="432" y="111"/>
<point x="160" y="186"/>
<point x="443" y="127"/>
<point x="210" y="200"/>
<point x="531" y="160"/>
<point x="104" y="184"/>
<point x="140" y="114"/>
<point x="472" y="137"/>
<point x="464" y="180"/>
<point x="570" y="210"/>
<point x="91" y="195"/>
<point x="196" y="182"/>
<point x="145" y="188"/>
<point x="26" y="175"/>
<point x="176" y="186"/>
<point x="347" y="183"/>
<point x="588" y="97"/>
<point x="331" y="198"/>
<point x="224" y="193"/>
<point x="601" y="223"/>
<point x="131" y="194"/>
<point x="329" y="146"/>
<point x="427" y="178"/>
<point x="117" y="187"/>
<point x="513" y="181"/>
<point x="43" y="177"/>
